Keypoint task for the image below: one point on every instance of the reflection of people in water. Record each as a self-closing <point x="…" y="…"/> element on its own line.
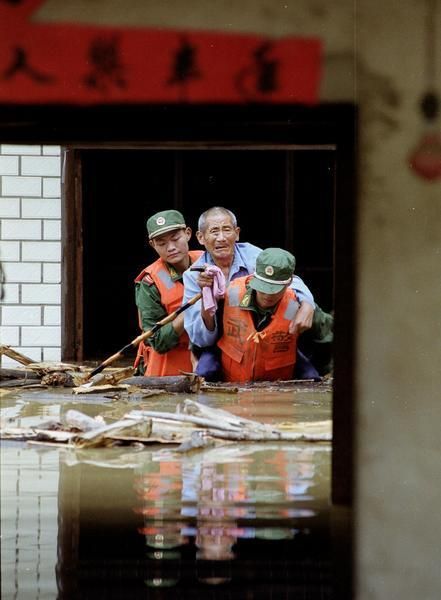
<point x="158" y="488"/>
<point x="188" y="499"/>
<point x="223" y="489"/>
<point x="215" y="541"/>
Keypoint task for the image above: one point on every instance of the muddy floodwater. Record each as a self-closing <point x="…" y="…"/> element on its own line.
<point x="240" y="520"/>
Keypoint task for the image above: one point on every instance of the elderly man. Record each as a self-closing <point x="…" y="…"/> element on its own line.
<point x="159" y="291"/>
<point x="219" y="234"/>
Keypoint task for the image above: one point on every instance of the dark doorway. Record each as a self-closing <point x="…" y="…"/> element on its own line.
<point x="282" y="198"/>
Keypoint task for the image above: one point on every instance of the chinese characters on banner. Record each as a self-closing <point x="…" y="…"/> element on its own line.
<point x="76" y="64"/>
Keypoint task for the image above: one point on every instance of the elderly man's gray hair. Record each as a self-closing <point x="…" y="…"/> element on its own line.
<point x="202" y="223"/>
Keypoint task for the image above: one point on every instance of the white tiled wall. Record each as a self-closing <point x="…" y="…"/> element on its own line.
<point x="30" y="250"/>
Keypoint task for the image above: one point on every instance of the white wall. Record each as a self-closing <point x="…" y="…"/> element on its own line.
<point x="30" y="250"/>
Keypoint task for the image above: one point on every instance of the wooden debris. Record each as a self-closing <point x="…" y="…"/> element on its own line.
<point x="310" y="427"/>
<point x="21" y="358"/>
<point x="193" y="420"/>
<point x="51" y="367"/>
<point x="18" y="374"/>
<point x="138" y="439"/>
<point x="97" y="389"/>
<point x="218" y="389"/>
<point x="96" y="437"/>
<point x="49" y="435"/>
<point x="194" y="426"/>
<point x="189" y="384"/>
<point x="82" y="422"/>
<point x="34" y="433"/>
<point x="58" y="378"/>
<point x="217" y="415"/>
<point x="108" y="378"/>
<point x="197" y="441"/>
<point x="17" y="433"/>
<point x="261" y="436"/>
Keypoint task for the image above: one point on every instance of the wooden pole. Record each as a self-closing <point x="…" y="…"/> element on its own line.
<point x="143" y="336"/>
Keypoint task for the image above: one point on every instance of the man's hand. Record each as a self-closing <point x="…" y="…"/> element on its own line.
<point x="205" y="279"/>
<point x="303" y="319"/>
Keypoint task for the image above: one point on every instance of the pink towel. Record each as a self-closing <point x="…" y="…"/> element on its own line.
<point x="212" y="294"/>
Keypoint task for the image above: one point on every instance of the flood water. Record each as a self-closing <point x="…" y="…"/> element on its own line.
<point x="242" y="520"/>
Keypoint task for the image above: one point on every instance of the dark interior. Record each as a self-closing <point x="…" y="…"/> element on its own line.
<point x="282" y="198"/>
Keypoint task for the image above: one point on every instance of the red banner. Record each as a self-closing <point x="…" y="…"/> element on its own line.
<point x="75" y="64"/>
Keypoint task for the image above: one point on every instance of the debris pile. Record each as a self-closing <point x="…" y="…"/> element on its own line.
<point x="192" y="426"/>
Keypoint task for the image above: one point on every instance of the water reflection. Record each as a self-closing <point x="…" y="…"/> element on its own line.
<point x="128" y="523"/>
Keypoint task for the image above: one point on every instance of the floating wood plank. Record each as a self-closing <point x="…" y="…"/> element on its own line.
<point x="197" y="441"/>
<point x="17" y="433"/>
<point x="97" y="389"/>
<point x="77" y="419"/>
<point x="53" y="436"/>
<point x="189" y="384"/>
<point x="18" y="374"/>
<point x="17" y="356"/>
<point x="96" y="437"/>
<point x="217" y="415"/>
<point x="261" y="436"/>
<point x="194" y="420"/>
<point x="108" y="378"/>
<point x="218" y="389"/>
<point x="52" y="367"/>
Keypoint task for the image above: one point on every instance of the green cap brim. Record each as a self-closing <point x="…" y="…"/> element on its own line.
<point x="265" y="287"/>
<point x="166" y="229"/>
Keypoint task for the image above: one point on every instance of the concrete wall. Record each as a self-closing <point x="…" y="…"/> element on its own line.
<point x="399" y="345"/>
<point x="30" y="250"/>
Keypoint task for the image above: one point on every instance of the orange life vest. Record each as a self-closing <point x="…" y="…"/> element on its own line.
<point x="250" y="355"/>
<point x="171" y="292"/>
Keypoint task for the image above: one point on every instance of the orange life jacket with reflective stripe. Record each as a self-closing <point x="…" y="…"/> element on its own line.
<point x="171" y="292"/>
<point x="250" y="355"/>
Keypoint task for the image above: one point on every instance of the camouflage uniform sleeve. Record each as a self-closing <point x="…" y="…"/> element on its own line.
<point x="151" y="311"/>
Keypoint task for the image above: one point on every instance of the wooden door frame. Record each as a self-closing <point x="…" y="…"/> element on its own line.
<point x="72" y="314"/>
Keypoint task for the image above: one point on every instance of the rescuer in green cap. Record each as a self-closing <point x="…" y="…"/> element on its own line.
<point x="256" y="343"/>
<point x="159" y="291"/>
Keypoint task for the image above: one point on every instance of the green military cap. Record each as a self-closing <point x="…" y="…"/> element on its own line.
<point x="274" y="270"/>
<point x="165" y="221"/>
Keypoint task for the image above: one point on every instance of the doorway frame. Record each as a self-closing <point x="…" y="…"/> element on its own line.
<point x="148" y="126"/>
<point x="234" y="127"/>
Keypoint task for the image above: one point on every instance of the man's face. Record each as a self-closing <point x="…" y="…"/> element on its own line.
<point x="219" y="237"/>
<point x="172" y="246"/>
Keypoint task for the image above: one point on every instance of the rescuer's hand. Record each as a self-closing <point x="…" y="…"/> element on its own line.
<point x="303" y="319"/>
